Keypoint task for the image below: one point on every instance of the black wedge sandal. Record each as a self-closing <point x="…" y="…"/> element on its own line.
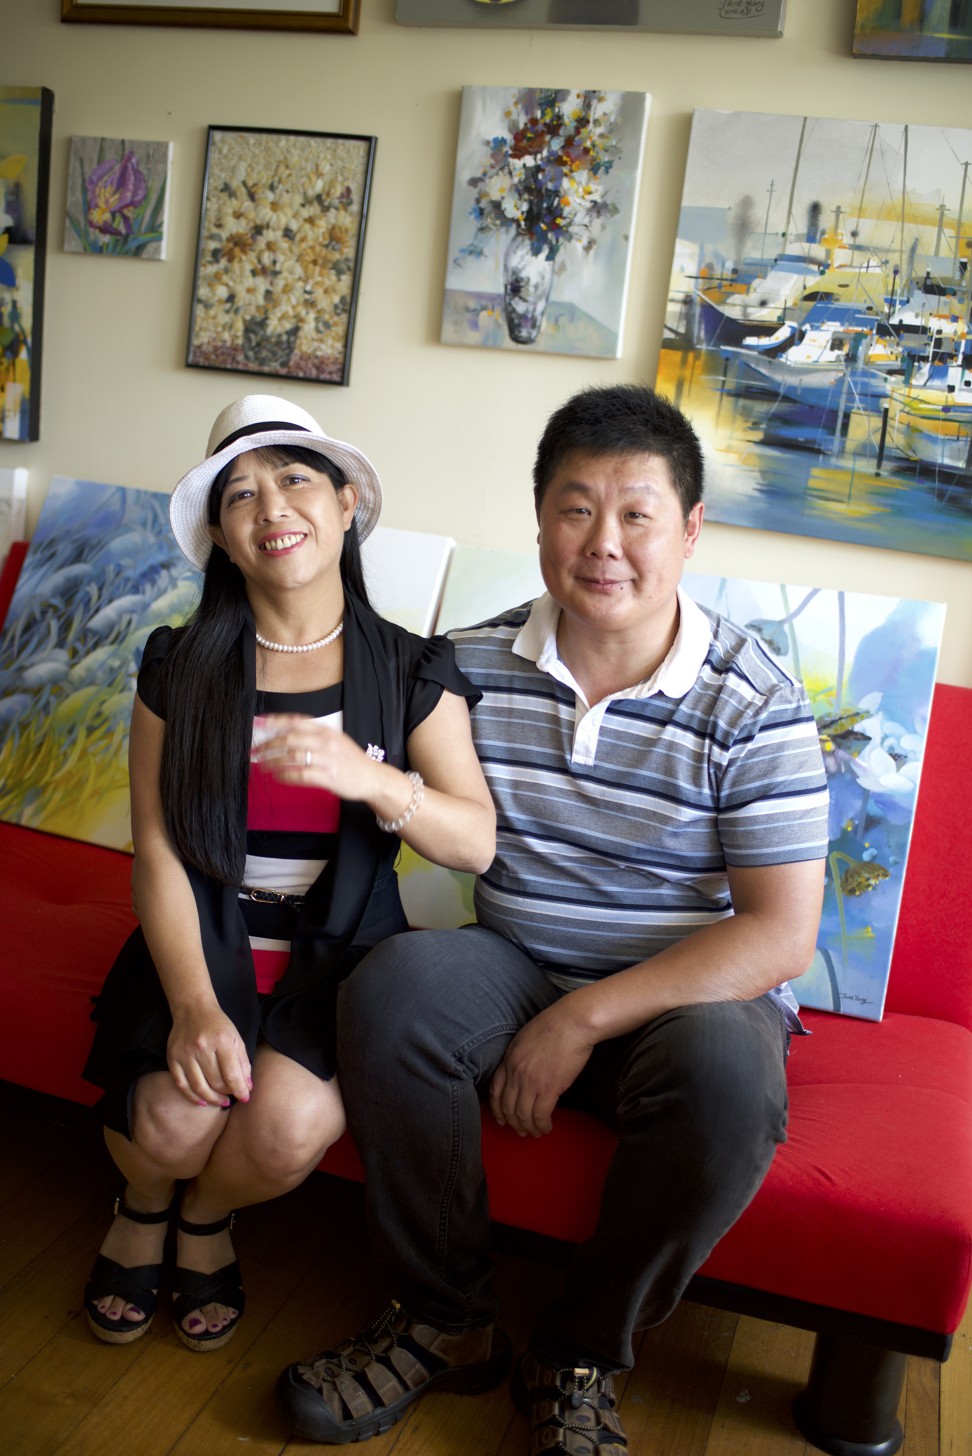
<point x="192" y="1289"/>
<point x="138" y="1285"/>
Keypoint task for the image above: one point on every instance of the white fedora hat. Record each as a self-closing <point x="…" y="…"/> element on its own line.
<point x="248" y="424"/>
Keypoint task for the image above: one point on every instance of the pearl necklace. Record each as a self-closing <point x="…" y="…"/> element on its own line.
<point x="307" y="646"/>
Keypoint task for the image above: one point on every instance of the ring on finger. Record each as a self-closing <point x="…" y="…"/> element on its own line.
<point x="308" y="758"/>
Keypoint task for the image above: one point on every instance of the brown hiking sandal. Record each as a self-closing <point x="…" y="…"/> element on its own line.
<point x="364" y="1385"/>
<point x="572" y="1411"/>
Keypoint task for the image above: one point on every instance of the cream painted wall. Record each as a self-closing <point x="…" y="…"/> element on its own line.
<point x="451" y="430"/>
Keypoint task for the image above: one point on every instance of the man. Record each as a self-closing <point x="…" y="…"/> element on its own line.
<point x="662" y="825"/>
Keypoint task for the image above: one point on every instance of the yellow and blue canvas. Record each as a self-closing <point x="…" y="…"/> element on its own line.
<point x="101" y="573"/>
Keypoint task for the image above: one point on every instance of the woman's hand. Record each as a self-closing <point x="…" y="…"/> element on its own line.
<point x="298" y="750"/>
<point x="207" y="1058"/>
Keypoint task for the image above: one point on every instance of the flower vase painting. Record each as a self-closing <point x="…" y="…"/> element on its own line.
<point x="117" y="197"/>
<point x="279" y="261"/>
<point x="543" y="206"/>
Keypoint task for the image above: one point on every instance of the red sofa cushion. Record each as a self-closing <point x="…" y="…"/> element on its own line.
<point x="931" y="968"/>
<point x="867" y="1206"/>
<point x="71" y="911"/>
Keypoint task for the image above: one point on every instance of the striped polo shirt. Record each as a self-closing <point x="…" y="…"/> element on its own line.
<point x="615" y="823"/>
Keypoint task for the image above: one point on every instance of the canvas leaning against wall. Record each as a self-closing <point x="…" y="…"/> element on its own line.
<point x="278" y="266"/>
<point x="818" y="328"/>
<point x="101" y="572"/>
<point x="117" y="197"/>
<point x="26" y="120"/>
<point x="868" y="665"/>
<point x="543" y="205"/>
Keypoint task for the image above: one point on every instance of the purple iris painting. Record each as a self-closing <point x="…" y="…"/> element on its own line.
<point x="117" y="195"/>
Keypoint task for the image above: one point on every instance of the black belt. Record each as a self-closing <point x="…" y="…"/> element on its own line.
<point x="271" y="897"/>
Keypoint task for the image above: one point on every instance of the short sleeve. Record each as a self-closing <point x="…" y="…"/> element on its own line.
<point x="773" y="795"/>
<point x="434" y="672"/>
<point x="149" y="685"/>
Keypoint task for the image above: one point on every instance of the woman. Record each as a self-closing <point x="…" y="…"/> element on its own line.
<point x="281" y="744"/>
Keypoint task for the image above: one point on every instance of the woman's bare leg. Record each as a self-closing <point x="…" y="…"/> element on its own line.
<point x="171" y="1139"/>
<point x="269" y="1145"/>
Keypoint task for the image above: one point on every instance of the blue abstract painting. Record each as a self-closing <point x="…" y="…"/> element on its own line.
<point x="101" y="572"/>
<point x="868" y="664"/>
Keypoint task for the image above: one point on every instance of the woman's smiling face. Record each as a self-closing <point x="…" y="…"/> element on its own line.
<point x="282" y="523"/>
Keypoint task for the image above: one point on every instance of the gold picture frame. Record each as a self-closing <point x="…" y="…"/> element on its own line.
<point x="339" y="17"/>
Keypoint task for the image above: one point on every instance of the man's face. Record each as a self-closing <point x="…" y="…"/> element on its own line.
<point x="613" y="541"/>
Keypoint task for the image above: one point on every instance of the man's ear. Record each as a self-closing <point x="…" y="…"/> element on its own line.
<point x="693" y="528"/>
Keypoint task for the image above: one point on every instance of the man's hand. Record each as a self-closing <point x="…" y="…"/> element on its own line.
<point x="541" y="1062"/>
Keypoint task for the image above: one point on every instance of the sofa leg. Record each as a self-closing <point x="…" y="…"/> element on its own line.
<point x="850" y="1405"/>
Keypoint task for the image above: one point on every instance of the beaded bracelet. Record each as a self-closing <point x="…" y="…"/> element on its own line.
<point x="392" y="826"/>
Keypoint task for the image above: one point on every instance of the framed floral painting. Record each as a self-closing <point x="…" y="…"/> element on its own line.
<point x="281" y="234"/>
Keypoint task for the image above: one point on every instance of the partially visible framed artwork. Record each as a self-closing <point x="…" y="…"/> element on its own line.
<point x="543" y="207"/>
<point x="338" y="16"/>
<point x="687" y="17"/>
<point x="278" y="267"/>
<point x="938" y="30"/>
<point x="117" y="197"/>
<point x="26" y="119"/>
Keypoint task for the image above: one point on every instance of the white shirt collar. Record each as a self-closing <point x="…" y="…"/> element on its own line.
<point x="537" y="642"/>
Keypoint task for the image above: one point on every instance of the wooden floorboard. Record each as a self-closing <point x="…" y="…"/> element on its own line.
<point x="706" y="1383"/>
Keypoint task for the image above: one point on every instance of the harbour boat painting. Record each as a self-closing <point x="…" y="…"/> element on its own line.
<point x="818" y="327"/>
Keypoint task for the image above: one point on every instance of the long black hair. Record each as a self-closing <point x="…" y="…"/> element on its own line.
<point x="208" y="704"/>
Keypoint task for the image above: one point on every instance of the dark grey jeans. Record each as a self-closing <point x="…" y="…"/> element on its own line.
<point x="698" y="1098"/>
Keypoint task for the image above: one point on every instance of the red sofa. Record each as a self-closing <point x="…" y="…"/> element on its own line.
<point x="862" y="1230"/>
